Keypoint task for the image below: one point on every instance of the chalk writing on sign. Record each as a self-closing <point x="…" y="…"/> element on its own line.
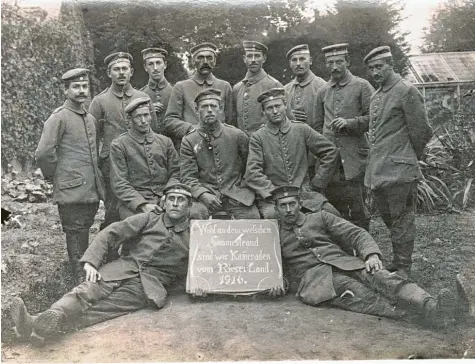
<point x="234" y="256"/>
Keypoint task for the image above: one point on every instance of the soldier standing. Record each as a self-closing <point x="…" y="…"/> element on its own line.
<point x="342" y="115"/>
<point x="398" y="134"/>
<point x="278" y="155"/>
<point x="213" y="161"/>
<point x="108" y="109"/>
<point x="158" y="88"/>
<point x="246" y="108"/>
<point x="67" y="156"/>
<point x="181" y="115"/>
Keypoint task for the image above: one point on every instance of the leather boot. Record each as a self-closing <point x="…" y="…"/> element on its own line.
<point x="83" y="238"/>
<point x="436" y="312"/>
<point x="72" y="243"/>
<point x="402" y="258"/>
<point x="22" y="319"/>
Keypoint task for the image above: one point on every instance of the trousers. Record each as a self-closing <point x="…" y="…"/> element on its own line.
<point x="92" y="302"/>
<point x="233" y="209"/>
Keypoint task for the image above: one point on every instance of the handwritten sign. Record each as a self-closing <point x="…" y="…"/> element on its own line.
<point x="234" y="256"/>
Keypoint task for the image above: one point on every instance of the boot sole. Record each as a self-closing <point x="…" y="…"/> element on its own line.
<point x="47" y="324"/>
<point x="19" y="315"/>
<point x="446" y="307"/>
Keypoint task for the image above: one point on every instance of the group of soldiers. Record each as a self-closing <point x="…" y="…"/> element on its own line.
<point x="304" y="153"/>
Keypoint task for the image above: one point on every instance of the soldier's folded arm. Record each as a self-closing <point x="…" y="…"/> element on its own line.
<point x="349" y="236"/>
<point x="416" y="119"/>
<point x="113" y="236"/>
<point x="255" y="177"/>
<point x="46" y="152"/>
<point x="120" y="183"/>
<point x="326" y="151"/>
<point x="174" y="125"/>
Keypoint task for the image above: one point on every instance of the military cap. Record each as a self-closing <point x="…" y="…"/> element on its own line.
<point x="378" y="53"/>
<point x="301" y="48"/>
<point x="253" y="46"/>
<point x="271" y="94"/>
<point x="178" y="188"/>
<point x="335" y="49"/>
<point x="285" y="191"/>
<point x="203" y="47"/>
<point x="208" y="94"/>
<point x="154" y="53"/>
<point x="135" y="103"/>
<point x="76" y="74"/>
<point x="117" y="57"/>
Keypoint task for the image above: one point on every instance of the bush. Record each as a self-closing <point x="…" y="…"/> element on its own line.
<point x="35" y="53"/>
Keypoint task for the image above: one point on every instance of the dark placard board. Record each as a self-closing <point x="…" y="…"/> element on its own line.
<point x="234" y="256"/>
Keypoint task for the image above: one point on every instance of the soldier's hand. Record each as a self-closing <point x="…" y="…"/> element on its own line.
<point x="300" y="115"/>
<point x="199" y="292"/>
<point x="276" y="291"/>
<point x="92" y="275"/>
<point x="210" y="201"/>
<point x="150" y="207"/>
<point x="373" y="263"/>
<point x="158" y="107"/>
<point x="338" y="124"/>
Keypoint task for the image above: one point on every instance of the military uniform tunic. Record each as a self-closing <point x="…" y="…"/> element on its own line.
<point x="141" y="167"/>
<point x="158" y="92"/>
<point x="301" y="96"/>
<point x="248" y="111"/>
<point x="181" y="115"/>
<point x="67" y="155"/>
<point x="133" y="282"/>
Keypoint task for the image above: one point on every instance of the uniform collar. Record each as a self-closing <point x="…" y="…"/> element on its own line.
<point x="141" y="138"/>
<point x="252" y="79"/>
<point x="200" y="80"/>
<point x="348" y="76"/>
<point x="178" y="228"/>
<point x="119" y="92"/>
<point x="284" y="127"/>
<point x="68" y="104"/>
<point x="299" y="222"/>
<point x="391" y="82"/>
<point x="157" y="85"/>
<point x="204" y="133"/>
<point x="309" y="78"/>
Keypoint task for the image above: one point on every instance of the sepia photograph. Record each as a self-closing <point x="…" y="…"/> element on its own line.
<point x="226" y="180"/>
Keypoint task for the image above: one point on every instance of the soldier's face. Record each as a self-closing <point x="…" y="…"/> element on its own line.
<point x="380" y="70"/>
<point x="254" y="60"/>
<point x="204" y="62"/>
<point x="208" y="111"/>
<point x="177" y="206"/>
<point x="300" y="63"/>
<point x="120" y="73"/>
<point x="155" y="68"/>
<point x="141" y="118"/>
<point x="275" y="111"/>
<point x="78" y="91"/>
<point x="337" y="65"/>
<point x="287" y="209"/>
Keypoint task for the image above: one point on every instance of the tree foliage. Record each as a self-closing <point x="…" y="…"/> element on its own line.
<point x="452" y="28"/>
<point x="35" y="53"/>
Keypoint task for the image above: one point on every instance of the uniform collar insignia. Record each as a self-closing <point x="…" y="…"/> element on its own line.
<point x="342" y="82"/>
<point x="127" y="90"/>
<point x="200" y="80"/>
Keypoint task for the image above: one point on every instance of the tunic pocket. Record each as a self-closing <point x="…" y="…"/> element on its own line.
<point x="64" y="185"/>
<point x="402" y="160"/>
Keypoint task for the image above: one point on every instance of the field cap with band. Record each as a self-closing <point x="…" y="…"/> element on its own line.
<point x="335" y="49"/>
<point x="285" y="191"/>
<point x="271" y="94"/>
<point x="203" y="47"/>
<point x="301" y="48"/>
<point x="76" y="74"/>
<point x="154" y="53"/>
<point x="253" y="46"/>
<point x="378" y="53"/>
<point x="113" y="58"/>
<point x="178" y="188"/>
<point x="208" y="94"/>
<point x="135" y="103"/>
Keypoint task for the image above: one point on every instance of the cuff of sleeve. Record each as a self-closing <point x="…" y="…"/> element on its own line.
<point x="352" y="124"/>
<point x="136" y="202"/>
<point x="198" y="191"/>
